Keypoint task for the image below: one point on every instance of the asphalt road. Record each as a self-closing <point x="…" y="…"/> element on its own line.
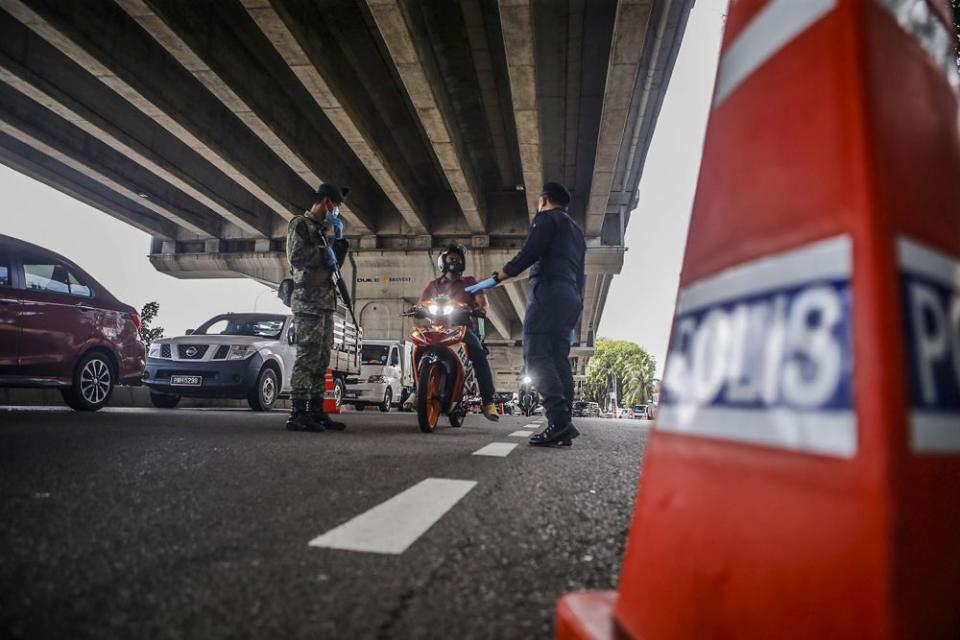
<point x="195" y="524"/>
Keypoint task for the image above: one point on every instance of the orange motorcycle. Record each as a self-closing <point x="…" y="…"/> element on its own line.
<point x="445" y="380"/>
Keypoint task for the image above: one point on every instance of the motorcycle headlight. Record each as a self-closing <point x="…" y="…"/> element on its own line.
<point x="240" y="352"/>
<point x="154" y="350"/>
<point x="447" y="310"/>
<point x="527" y="380"/>
<point x="433" y="309"/>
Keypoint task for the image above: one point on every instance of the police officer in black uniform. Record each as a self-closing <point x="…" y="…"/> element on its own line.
<point x="555" y="251"/>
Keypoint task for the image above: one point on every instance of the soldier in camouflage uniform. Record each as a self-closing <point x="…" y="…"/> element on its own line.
<point x="313" y="302"/>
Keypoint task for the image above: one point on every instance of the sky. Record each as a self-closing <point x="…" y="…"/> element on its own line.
<point x="641" y="300"/>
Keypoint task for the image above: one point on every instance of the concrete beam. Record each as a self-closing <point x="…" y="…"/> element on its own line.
<point x="17" y="75"/>
<point x="440" y="131"/>
<point x="517" y="297"/>
<point x="166" y="37"/>
<point x="159" y="107"/>
<point x="31" y="162"/>
<point x="17" y="130"/>
<point x="623" y="72"/>
<point x="335" y="108"/>
<point x="516" y="19"/>
<point x="498" y="313"/>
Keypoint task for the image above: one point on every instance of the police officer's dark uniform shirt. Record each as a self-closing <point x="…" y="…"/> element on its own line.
<point x="555" y="251"/>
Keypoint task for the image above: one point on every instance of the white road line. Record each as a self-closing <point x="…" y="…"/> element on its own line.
<point x="519" y="434"/>
<point x="531" y="426"/>
<point x="496" y="449"/>
<point x="392" y="526"/>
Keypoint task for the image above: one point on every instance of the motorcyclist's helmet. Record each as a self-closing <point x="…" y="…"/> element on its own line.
<point x="444" y="264"/>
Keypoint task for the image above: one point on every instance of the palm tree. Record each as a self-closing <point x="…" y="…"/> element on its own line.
<point x="638" y="384"/>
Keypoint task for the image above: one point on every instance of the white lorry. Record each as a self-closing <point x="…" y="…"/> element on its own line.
<point x="386" y="375"/>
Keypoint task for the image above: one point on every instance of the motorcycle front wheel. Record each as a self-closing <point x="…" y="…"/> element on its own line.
<point x="428" y="396"/>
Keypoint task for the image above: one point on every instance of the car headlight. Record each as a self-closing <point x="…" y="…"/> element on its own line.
<point x="376" y="379"/>
<point x="154" y="350"/>
<point x="240" y="351"/>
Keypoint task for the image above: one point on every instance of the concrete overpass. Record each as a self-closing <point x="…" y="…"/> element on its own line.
<point x="209" y="124"/>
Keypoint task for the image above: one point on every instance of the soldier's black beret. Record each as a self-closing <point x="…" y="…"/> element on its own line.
<point x="327" y="190"/>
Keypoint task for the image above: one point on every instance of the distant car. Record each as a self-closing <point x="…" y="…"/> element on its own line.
<point x="61" y="328"/>
<point x="641" y="412"/>
<point x="607" y="414"/>
<point x="234" y="355"/>
<point x="583" y="409"/>
<point x="386" y="376"/>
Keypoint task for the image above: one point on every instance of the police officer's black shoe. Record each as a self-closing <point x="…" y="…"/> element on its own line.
<point x="323" y="419"/>
<point x="555" y="434"/>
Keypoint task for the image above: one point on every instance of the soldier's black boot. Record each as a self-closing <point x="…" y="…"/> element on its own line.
<point x="299" y="419"/>
<point x="561" y="434"/>
<point x="321" y="417"/>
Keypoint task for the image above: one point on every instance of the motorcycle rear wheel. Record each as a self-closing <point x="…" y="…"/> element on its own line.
<point x="428" y="396"/>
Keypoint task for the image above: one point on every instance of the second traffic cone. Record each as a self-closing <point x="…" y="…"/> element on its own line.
<point x="803" y="477"/>
<point x="330" y="405"/>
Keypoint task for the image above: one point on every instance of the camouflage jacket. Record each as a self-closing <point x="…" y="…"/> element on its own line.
<point x="314" y="290"/>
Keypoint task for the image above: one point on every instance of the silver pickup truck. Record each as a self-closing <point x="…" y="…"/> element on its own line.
<point x="242" y="355"/>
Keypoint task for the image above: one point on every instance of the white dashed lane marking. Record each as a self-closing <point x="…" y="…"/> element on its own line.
<point x="531" y="426"/>
<point x="392" y="526"/>
<point x="496" y="449"/>
<point x="519" y="434"/>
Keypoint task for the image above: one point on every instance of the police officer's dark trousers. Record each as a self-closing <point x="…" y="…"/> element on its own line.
<point x="553" y="308"/>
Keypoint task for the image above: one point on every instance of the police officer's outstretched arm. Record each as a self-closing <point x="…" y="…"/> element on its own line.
<point x="538" y="239"/>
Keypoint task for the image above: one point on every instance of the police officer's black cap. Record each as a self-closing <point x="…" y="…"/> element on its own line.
<point x="557" y="193"/>
<point x="327" y="190"/>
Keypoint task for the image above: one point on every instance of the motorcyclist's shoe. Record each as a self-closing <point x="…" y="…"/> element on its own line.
<point x="323" y="419"/>
<point x="490" y="412"/>
<point x="561" y="434"/>
<point x="300" y="418"/>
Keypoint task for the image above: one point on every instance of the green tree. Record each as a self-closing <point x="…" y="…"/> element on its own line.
<point x="626" y="364"/>
<point x="147" y="315"/>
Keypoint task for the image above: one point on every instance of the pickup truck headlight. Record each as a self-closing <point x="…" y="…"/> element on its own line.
<point x="376" y="379"/>
<point x="240" y="352"/>
<point x="154" y="350"/>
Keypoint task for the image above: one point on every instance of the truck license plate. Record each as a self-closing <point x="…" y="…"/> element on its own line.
<point x="186" y="381"/>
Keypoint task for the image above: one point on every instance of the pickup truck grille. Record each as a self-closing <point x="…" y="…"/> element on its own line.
<point x="165" y="351"/>
<point x="192" y="351"/>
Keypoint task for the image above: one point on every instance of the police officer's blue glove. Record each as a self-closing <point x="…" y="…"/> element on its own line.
<point x="329" y="257"/>
<point x="336" y="222"/>
<point x="572" y="337"/>
<point x="480" y="286"/>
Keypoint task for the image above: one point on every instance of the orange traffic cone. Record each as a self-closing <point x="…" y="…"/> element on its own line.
<point x="330" y="405"/>
<point x="803" y="477"/>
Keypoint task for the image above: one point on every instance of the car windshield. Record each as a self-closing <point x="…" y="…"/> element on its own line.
<point x="258" y="326"/>
<point x="373" y="354"/>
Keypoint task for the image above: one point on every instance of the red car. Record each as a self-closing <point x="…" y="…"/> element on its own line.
<point x="61" y="328"/>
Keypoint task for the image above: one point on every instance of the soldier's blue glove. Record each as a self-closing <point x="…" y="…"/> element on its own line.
<point x="330" y="257"/>
<point x="336" y="222"/>
<point x="480" y="286"/>
<point x="572" y="337"/>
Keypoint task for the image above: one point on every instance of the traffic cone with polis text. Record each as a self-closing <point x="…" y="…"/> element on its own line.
<point x="803" y="477"/>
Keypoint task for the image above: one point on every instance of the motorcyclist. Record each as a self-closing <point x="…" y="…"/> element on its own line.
<point x="452" y="283"/>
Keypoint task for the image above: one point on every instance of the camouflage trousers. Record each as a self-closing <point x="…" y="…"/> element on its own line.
<point x="314" y="340"/>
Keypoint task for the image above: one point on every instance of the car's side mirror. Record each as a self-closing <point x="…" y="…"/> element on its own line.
<point x="190" y="332"/>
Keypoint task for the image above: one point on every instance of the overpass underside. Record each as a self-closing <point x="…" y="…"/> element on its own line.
<point x="209" y="124"/>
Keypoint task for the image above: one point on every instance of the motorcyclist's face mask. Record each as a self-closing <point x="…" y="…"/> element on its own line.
<point x="454" y="263"/>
